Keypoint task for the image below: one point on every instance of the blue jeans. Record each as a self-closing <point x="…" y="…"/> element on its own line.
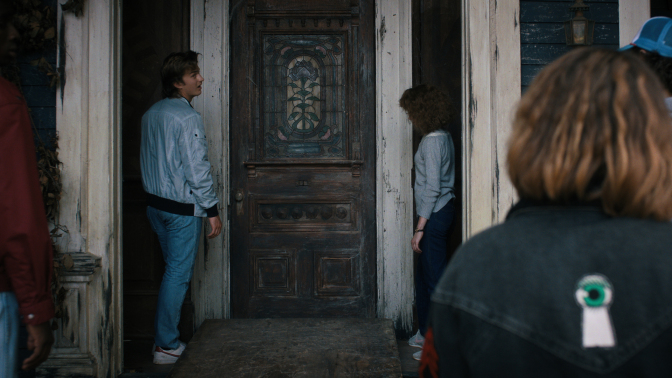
<point x="432" y="261"/>
<point x="9" y="335"/>
<point x="178" y="236"/>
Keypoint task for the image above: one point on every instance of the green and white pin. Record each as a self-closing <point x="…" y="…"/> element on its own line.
<point x="594" y="294"/>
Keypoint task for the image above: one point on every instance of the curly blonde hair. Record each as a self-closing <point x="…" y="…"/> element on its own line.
<point x="593" y="126"/>
<point x="428" y="108"/>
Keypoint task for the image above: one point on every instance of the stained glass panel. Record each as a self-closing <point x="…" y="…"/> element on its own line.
<point x="303" y="106"/>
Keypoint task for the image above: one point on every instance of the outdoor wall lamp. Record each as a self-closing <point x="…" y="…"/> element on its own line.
<point x="579" y="30"/>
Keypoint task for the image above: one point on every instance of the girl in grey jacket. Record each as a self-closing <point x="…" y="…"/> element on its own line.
<point x="430" y="109"/>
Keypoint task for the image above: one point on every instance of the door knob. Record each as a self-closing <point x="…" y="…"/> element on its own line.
<point x="239" y="195"/>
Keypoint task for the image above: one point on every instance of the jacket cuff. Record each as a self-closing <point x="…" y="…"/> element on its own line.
<point x="424" y="210"/>
<point x="212" y="212"/>
<point x="38" y="313"/>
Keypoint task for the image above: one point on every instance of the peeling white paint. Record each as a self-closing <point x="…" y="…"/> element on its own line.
<point x="490" y="40"/>
<point x="88" y="121"/>
<point x="394" y="207"/>
<point x="71" y="114"/>
<point x="210" y="37"/>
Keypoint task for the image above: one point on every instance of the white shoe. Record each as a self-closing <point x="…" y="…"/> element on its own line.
<point x="417" y="340"/>
<point x="170" y="356"/>
<point x="417" y="355"/>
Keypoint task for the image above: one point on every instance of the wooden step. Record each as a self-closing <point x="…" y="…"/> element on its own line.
<point x="291" y="348"/>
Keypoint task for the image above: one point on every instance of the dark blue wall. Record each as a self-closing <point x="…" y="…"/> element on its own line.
<point x="542" y="32"/>
<point x="35" y="85"/>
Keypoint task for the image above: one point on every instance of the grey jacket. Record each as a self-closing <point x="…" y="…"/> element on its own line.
<point x="174" y="160"/>
<point x="434" y="173"/>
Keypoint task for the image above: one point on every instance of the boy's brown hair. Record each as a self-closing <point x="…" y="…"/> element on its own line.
<point x="174" y="67"/>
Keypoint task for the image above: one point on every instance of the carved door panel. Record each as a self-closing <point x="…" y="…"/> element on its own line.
<point x="151" y="30"/>
<point x="303" y="159"/>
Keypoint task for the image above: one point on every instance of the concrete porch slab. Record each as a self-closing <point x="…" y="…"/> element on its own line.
<point x="291" y="348"/>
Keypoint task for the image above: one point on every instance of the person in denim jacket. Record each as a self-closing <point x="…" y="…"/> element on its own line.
<point x="577" y="282"/>
<point x="430" y="110"/>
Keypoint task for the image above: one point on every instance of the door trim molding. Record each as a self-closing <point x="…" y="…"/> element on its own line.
<point x="394" y="205"/>
<point x="394" y="134"/>
<point x="88" y="119"/>
<point x="491" y="88"/>
<point x="631" y="15"/>
<point x="210" y="287"/>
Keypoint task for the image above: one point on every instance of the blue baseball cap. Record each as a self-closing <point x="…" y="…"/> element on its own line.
<point x="654" y="36"/>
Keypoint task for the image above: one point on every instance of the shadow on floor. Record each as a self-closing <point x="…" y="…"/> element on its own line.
<point x="138" y="361"/>
<point x="409" y="366"/>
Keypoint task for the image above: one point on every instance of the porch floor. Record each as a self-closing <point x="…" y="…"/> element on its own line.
<point x="283" y="347"/>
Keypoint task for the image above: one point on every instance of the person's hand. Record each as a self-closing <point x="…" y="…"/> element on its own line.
<point x="417" y="235"/>
<point x="215" y="227"/>
<point x="415" y="242"/>
<point x="40" y="340"/>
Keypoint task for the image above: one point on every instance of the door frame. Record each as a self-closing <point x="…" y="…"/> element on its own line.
<point x="394" y="204"/>
<point x="88" y="121"/>
<point x="631" y="16"/>
<point x="210" y="289"/>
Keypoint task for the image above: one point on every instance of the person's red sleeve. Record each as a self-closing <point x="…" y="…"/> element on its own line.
<point x="25" y="244"/>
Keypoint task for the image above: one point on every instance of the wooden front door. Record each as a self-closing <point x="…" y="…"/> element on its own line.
<point x="303" y="158"/>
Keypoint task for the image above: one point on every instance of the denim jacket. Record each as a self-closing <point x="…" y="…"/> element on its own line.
<point x="510" y="301"/>
<point x="174" y="160"/>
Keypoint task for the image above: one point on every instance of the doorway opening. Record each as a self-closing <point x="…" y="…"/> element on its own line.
<point x="661" y="8"/>
<point x="437" y="61"/>
<point x="150" y="31"/>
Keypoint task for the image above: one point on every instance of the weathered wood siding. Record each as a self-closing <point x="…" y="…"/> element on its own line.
<point x="88" y="118"/>
<point x="542" y="31"/>
<point x="490" y="91"/>
<point x="394" y="198"/>
<point x="210" y="37"/>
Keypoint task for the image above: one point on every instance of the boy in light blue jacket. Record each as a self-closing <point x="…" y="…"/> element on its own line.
<point x="180" y="190"/>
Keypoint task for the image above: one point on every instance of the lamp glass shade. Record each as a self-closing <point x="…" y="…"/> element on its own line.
<point x="579" y="32"/>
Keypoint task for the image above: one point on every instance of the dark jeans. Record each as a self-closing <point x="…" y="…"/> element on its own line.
<point x="433" y="260"/>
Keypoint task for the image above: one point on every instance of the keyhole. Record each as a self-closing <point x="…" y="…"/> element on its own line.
<point x="594" y="294"/>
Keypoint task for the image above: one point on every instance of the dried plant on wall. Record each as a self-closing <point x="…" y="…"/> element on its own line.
<point x="36" y="23"/>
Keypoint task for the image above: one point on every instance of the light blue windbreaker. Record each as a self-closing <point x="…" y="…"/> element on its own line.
<point x="174" y="156"/>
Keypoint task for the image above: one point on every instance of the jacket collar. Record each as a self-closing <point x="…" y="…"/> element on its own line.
<point x="525" y="205"/>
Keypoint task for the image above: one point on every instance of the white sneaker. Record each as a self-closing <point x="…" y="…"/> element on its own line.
<point x="417" y="340"/>
<point x="417" y="355"/>
<point x="170" y="356"/>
